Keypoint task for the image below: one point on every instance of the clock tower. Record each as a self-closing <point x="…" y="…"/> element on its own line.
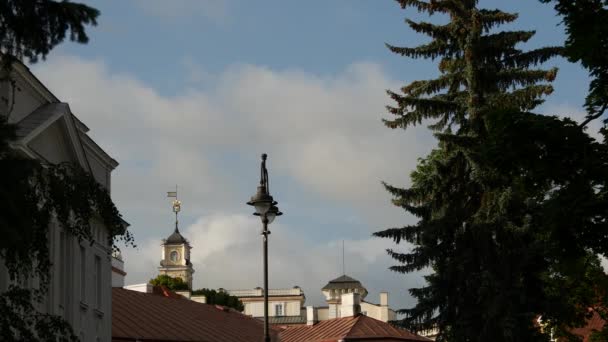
<point x="175" y="260"/>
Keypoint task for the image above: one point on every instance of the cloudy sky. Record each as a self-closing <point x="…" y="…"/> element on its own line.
<point x="191" y="92"/>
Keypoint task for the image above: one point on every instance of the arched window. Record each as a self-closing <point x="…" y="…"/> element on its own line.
<point x="174" y="256"/>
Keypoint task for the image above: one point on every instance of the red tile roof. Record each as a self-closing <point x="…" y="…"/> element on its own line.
<point x="146" y="317"/>
<point x="353" y="328"/>
<point x="595" y="323"/>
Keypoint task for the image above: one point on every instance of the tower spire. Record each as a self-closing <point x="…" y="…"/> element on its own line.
<point x="177" y="205"/>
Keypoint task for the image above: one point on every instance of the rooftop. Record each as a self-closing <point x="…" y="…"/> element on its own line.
<point x="164" y="316"/>
<point x="284" y="320"/>
<point x="594" y="323"/>
<point x="352" y="328"/>
<point x="175" y="238"/>
<point x="343" y="282"/>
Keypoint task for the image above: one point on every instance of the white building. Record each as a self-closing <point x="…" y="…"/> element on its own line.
<point x="334" y="291"/>
<point x="281" y="303"/>
<point x="80" y="280"/>
<point x="286" y="306"/>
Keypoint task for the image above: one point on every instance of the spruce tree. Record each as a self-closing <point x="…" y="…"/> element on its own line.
<point x="493" y="199"/>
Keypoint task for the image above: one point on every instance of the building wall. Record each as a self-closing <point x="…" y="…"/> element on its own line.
<point x="52" y="144"/>
<point x="379" y="312"/>
<point x="80" y="284"/>
<point x="80" y="277"/>
<point x="118" y="271"/>
<point x="333" y="311"/>
<point x="26" y="98"/>
<point x="256" y="308"/>
<point x="322" y="314"/>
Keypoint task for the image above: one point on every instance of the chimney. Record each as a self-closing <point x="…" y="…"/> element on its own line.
<point x="384" y="310"/>
<point x="311" y="315"/>
<point x="351" y="304"/>
<point x="199" y="299"/>
<point x="184" y="293"/>
<point x="383" y="298"/>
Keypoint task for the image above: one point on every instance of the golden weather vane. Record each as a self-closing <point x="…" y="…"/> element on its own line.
<point x="177" y="205"/>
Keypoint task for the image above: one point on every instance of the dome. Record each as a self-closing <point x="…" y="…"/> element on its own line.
<point x="343" y="282"/>
<point x="341" y="285"/>
<point x="176" y="238"/>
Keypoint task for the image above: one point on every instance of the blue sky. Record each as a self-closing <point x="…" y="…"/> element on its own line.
<point x="192" y="92"/>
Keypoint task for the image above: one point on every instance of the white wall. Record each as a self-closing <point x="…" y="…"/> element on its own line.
<point x="256" y="309"/>
<point x="52" y="144"/>
<point x="80" y="288"/>
<point x="382" y="313"/>
<point x="118" y="278"/>
<point x="81" y="284"/>
<point x="322" y="314"/>
<point x="26" y="98"/>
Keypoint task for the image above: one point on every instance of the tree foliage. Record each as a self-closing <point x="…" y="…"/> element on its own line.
<point x="173" y="284"/>
<point x="586" y="23"/>
<point x="511" y="205"/>
<point x="34" y="194"/>
<point x="220" y="297"/>
<point x="32" y="28"/>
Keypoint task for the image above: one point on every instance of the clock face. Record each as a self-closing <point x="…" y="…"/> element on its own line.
<point x="174" y="256"/>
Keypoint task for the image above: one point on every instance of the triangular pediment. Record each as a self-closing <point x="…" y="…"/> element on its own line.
<point x="51" y="134"/>
<point x="53" y="144"/>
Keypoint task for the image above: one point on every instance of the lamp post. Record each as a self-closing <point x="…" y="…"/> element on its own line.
<point x="266" y="209"/>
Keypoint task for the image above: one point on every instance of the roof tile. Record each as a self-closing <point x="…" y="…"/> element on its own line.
<point x="352" y="328"/>
<point x="156" y="317"/>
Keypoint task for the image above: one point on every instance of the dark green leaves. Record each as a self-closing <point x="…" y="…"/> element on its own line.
<point x="510" y="204"/>
<point x="32" y="28"/>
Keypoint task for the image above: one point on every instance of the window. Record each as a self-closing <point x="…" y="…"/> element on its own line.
<point x="174" y="256"/>
<point x="278" y="310"/>
<point x="62" y="269"/>
<point x="98" y="280"/>
<point x="66" y="283"/>
<point x="83" y="277"/>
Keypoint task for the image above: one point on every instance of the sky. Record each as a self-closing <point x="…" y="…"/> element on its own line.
<point x="192" y="92"/>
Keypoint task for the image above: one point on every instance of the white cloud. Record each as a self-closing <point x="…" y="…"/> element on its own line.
<point x="227" y="253"/>
<point x="327" y="148"/>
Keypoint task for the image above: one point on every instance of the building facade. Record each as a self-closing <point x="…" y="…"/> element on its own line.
<point x="80" y="278"/>
<point x="281" y="302"/>
<point x="286" y="306"/>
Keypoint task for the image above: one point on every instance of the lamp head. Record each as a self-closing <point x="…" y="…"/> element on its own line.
<point x="261" y="201"/>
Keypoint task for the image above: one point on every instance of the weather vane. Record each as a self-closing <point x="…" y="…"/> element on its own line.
<point x="177" y="205"/>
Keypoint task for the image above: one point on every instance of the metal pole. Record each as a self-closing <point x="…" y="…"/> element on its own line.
<point x="265" y="234"/>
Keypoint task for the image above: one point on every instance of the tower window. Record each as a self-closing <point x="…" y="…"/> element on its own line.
<point x="174" y="256"/>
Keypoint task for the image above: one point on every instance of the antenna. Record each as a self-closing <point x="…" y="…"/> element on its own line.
<point x="343" y="262"/>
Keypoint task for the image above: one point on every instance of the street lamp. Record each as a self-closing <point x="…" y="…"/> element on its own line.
<point x="266" y="209"/>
